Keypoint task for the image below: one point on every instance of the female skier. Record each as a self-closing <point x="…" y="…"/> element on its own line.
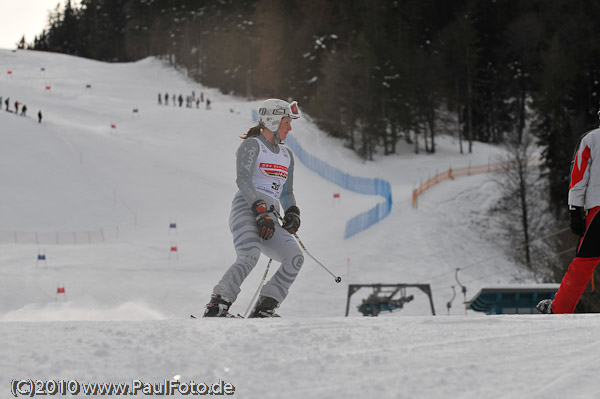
<point x="265" y="177"/>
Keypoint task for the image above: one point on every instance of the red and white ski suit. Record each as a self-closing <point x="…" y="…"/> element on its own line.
<point x="584" y="191"/>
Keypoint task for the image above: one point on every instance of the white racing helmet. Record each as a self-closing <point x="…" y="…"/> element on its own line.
<point x="273" y="110"/>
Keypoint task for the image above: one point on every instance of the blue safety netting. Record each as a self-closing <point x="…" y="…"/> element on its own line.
<point x="361" y="185"/>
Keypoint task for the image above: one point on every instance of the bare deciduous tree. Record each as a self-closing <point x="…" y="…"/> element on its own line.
<point x="524" y="206"/>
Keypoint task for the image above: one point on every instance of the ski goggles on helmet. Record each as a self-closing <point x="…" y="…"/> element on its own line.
<point x="294" y="110"/>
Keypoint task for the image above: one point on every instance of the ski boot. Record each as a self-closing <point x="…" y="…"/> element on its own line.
<point x="217" y="307"/>
<point x="265" y="307"/>
<point x="545" y="306"/>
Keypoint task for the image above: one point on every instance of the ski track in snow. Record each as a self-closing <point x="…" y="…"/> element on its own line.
<point x="124" y="315"/>
<point x="496" y="356"/>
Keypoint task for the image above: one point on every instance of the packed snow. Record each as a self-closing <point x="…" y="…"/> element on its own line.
<point x="97" y="197"/>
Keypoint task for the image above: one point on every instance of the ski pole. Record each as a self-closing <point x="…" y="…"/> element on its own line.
<point x="338" y="279"/>
<point x="254" y="298"/>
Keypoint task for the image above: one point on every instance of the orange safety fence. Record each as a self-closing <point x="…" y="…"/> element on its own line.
<point x="466" y="171"/>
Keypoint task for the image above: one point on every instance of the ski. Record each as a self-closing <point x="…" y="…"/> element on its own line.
<point x="238" y="316"/>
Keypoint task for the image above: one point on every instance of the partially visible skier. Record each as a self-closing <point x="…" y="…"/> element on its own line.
<point x="265" y="178"/>
<point x="584" y="204"/>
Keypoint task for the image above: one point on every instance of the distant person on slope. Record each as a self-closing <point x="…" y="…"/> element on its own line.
<point x="40" y="116"/>
<point x="265" y="177"/>
<point x="584" y="204"/>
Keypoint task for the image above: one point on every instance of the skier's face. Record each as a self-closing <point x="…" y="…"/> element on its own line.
<point x="284" y="127"/>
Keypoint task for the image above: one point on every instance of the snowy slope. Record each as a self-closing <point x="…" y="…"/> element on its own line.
<point x="297" y="358"/>
<point x="108" y="195"/>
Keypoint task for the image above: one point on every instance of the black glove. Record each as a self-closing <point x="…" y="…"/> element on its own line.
<point x="577" y="221"/>
<point x="291" y="220"/>
<point x="266" y="226"/>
